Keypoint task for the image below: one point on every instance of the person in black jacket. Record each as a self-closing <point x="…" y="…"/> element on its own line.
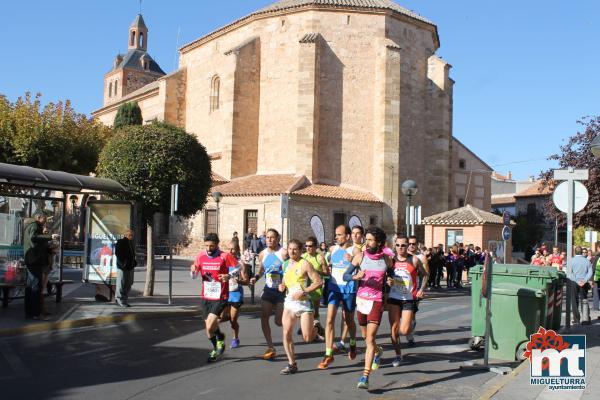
<point x="35" y="247"/>
<point x="125" y="252"/>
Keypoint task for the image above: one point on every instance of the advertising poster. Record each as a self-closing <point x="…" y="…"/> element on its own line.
<point x="107" y="222"/>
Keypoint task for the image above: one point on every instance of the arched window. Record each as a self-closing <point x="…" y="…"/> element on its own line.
<point x="215" y="86"/>
<point x="132" y="39"/>
<point x="141" y="39"/>
<point x="116" y="86"/>
<point x="110" y="89"/>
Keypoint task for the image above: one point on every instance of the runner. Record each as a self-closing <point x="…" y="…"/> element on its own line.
<point x="371" y="264"/>
<point x="270" y="262"/>
<point x="340" y="291"/>
<point x="318" y="263"/>
<point x="301" y="281"/>
<point x="554" y="259"/>
<point x="358" y="243"/>
<point x="413" y="249"/>
<point x="212" y="265"/>
<point x="403" y="297"/>
<point x="238" y="277"/>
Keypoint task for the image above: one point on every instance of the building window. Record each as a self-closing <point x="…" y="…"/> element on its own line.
<point x="339" y="218"/>
<point x="373" y="220"/>
<point x="116" y="86"/>
<point x="215" y="87"/>
<point x="348" y="20"/>
<point x="251" y="221"/>
<point x="462" y="164"/>
<point x="453" y="236"/>
<point x="282" y="22"/>
<point x="110" y="89"/>
<point x="132" y="39"/>
<point x="461" y="202"/>
<point x="146" y="65"/>
<point x="210" y="221"/>
<point x="141" y="39"/>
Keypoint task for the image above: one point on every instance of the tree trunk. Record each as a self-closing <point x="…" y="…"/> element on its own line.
<point x="149" y="288"/>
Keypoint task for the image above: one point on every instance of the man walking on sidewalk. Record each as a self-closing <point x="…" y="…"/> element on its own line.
<point x="579" y="277"/>
<point x="124" y="250"/>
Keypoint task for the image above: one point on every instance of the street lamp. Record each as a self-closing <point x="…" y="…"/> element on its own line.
<point x="409" y="189"/>
<point x="217" y="198"/>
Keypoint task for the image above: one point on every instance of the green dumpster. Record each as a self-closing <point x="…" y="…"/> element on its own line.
<point x="516" y="312"/>
<point x="542" y="278"/>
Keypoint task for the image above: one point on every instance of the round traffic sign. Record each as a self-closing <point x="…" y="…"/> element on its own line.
<point x="561" y="196"/>
<point x="505" y="233"/>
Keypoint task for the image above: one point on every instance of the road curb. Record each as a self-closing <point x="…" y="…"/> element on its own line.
<point x="495" y="388"/>
<point x="106" y="319"/>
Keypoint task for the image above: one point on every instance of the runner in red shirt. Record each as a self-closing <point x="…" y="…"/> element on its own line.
<point x="212" y="265"/>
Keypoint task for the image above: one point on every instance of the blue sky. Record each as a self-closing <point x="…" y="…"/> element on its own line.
<point x="525" y="71"/>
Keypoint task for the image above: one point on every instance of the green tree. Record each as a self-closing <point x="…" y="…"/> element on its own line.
<point x="50" y="137"/>
<point x="128" y="114"/>
<point x="147" y="160"/>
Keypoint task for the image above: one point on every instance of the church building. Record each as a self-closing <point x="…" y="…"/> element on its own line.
<point x="313" y="112"/>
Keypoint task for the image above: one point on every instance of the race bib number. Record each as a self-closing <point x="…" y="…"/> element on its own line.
<point x="364" y="306"/>
<point x="402" y="283"/>
<point x="273" y="280"/>
<point x="212" y="290"/>
<point x="233" y="285"/>
<point x="338" y="275"/>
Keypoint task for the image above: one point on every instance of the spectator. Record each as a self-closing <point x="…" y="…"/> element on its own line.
<point x="546" y="257"/>
<point x="263" y="240"/>
<point x="35" y="247"/>
<point x="256" y="245"/>
<point x="125" y="253"/>
<point x="436" y="266"/>
<point x="579" y="276"/>
<point x="248" y="238"/>
<point x="596" y="290"/>
<point x="538" y="259"/>
<point x="451" y="266"/>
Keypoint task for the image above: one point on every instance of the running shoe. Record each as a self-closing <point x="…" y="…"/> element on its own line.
<point x="352" y="352"/>
<point x="377" y="358"/>
<point x="235" y="343"/>
<point x="327" y="360"/>
<point x="363" y="382"/>
<point x="411" y="340"/>
<point x="212" y="356"/>
<point x="397" y="361"/>
<point x="339" y="347"/>
<point x="270" y="354"/>
<point x="320" y="329"/>
<point x="290" y="369"/>
<point x="220" y="348"/>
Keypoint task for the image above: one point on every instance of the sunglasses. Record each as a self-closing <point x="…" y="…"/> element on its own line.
<point x="401" y="245"/>
<point x="309" y="245"/>
<point x="411" y="244"/>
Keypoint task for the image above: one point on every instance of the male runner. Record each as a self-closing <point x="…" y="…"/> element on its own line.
<point x="554" y="259"/>
<point x="318" y="263"/>
<point x="238" y="277"/>
<point x="270" y="262"/>
<point x="403" y="297"/>
<point x="212" y="265"/>
<point x="340" y="291"/>
<point x="372" y="265"/>
<point x="300" y="280"/>
<point x="358" y="243"/>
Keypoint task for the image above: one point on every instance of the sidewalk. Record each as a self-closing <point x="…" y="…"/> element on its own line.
<point x="517" y="385"/>
<point x="78" y="307"/>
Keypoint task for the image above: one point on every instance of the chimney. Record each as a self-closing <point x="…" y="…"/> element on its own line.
<point x="509" y="176"/>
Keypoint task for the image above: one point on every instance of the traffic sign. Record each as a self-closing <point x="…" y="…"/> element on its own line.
<point x="561" y="196"/>
<point x="575" y="174"/>
<point x="506" y="218"/>
<point x="506" y="233"/>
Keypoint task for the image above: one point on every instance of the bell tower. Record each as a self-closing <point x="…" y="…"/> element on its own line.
<point x="138" y="34"/>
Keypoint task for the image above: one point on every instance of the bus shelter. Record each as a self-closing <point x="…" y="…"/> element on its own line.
<point x="31" y="189"/>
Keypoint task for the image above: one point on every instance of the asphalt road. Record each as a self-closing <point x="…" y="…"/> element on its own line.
<point x="166" y="359"/>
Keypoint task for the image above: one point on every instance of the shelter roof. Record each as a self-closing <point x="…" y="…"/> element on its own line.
<point x="23" y="176"/>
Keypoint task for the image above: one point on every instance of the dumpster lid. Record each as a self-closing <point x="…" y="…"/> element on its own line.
<point x="514" y="289"/>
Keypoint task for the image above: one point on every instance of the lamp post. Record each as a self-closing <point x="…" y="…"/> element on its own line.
<point x="409" y="189"/>
<point x="217" y="198"/>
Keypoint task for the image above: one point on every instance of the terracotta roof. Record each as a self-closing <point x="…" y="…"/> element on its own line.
<point x="218" y="179"/>
<point x="467" y="215"/>
<point x="262" y="185"/>
<point x="537" y="189"/>
<point x="292" y="5"/>
<point x="503" y="199"/>
<point x="337" y="192"/>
